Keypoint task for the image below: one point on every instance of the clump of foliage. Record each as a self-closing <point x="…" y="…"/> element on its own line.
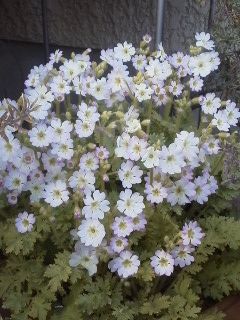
<point x="115" y="201"/>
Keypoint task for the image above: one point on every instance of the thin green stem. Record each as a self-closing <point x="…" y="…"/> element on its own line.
<point x="58" y="109"/>
<point x="149" y="115"/>
<point x="151" y="176"/>
<point x="167" y="110"/>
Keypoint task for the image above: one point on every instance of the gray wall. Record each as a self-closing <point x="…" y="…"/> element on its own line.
<point x="76" y="24"/>
<point x="79" y="23"/>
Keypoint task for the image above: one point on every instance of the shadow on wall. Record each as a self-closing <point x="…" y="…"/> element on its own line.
<point x="17" y="58"/>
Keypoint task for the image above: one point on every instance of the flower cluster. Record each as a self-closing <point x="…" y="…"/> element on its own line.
<point x="164" y="262"/>
<point x="93" y="134"/>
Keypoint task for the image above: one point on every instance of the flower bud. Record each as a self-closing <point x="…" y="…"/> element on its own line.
<point x="119" y="114"/>
<point x="126" y="283"/>
<point x="106" y="166"/>
<point x="43" y="211"/>
<point x="139" y="78"/>
<point x="141" y="134"/>
<point x="105" y="178"/>
<point x="70" y="164"/>
<point x="195" y="101"/>
<point x="77" y="213"/>
<point x="52" y="218"/>
<point x="91" y="146"/>
<point x="223" y="135"/>
<point x="146" y="122"/>
<point x="194" y="51"/>
<point x="112" y="125"/>
<point x="106" y="115"/>
<point x="99" y="73"/>
<point x="68" y="115"/>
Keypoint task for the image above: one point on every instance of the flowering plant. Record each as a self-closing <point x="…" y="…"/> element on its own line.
<point x="114" y="203"/>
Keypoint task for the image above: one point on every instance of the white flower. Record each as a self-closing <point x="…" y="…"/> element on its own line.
<point x="192" y="234"/>
<point x="220" y="120"/>
<point x="41" y="99"/>
<point x="203" y="40"/>
<point x="158" y="70"/>
<point x="118" y="244"/>
<point x="214" y="59"/>
<point x="151" y="157"/>
<point x="78" y="85"/>
<point x="37" y="191"/>
<point x="9" y="148"/>
<point x="161" y="55"/>
<point x="95" y="205"/>
<point x="15" y="180"/>
<point x="64" y="149"/>
<point x="139" y="222"/>
<point x="139" y="62"/>
<point x="88" y="113"/>
<point x="179" y="60"/>
<point x="40" y="135"/>
<point x="232" y="113"/>
<point x="187" y="144"/>
<point x="212" y="182"/>
<point x="142" y="92"/>
<point x="108" y="56"/>
<point x="180" y="192"/>
<point x="129" y="174"/>
<point x="211" y="146"/>
<point x="155" y="192"/>
<point x="131" y="114"/>
<point x="122" y="226"/>
<point x="60" y="131"/>
<point x="118" y="79"/>
<point x="201" y="65"/>
<point x="51" y="162"/>
<point x="210" y="103"/>
<point x="56" y="193"/>
<point x="26" y="160"/>
<point x="99" y="89"/>
<point x="24" y="222"/>
<point x="70" y="69"/>
<point x="89" y="162"/>
<point x="182" y="256"/>
<point x="91" y="232"/>
<point x="196" y="84"/>
<point x="175" y="88"/>
<point x="137" y="148"/>
<point x="131" y="204"/>
<point x="84" y="128"/>
<point x="122" y="149"/>
<point x="53" y="176"/>
<point x="55" y="57"/>
<point x="163" y="263"/>
<point x="124" y="51"/>
<point x="86" y="257"/>
<point x="59" y="86"/>
<point x="171" y="160"/>
<point x="133" y="125"/>
<point x="127" y="264"/>
<point x="82" y="180"/>
<point x="202" y="190"/>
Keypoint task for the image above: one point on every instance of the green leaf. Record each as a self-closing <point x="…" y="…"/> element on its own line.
<point x="39" y="308"/>
<point x="155" y="304"/>
<point x="58" y="272"/>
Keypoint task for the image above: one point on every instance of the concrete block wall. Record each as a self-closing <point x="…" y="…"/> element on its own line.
<point x="76" y="24"/>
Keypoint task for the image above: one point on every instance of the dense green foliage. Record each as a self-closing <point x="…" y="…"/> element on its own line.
<point x="36" y="281"/>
